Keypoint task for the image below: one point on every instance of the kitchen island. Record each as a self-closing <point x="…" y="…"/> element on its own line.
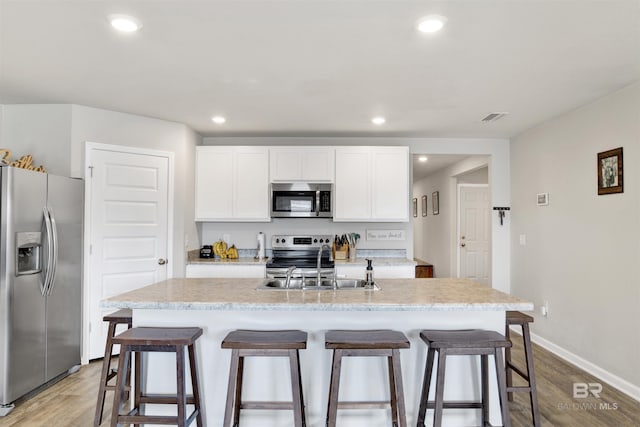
<point x="408" y="305"/>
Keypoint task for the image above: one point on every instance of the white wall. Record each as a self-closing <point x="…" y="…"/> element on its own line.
<point x="44" y="131"/>
<point x="582" y="250"/>
<point x="434" y="236"/>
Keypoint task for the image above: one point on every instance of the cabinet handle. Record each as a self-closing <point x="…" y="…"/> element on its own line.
<point x="162" y="261"/>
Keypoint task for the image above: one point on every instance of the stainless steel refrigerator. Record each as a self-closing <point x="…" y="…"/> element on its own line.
<point x="40" y="279"/>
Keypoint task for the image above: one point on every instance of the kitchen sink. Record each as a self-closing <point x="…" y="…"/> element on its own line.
<point x="311" y="284"/>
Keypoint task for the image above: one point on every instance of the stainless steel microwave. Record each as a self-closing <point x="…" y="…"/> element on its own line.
<point x="301" y="200"/>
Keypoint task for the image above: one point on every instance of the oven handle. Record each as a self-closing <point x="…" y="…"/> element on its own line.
<point x="317" y="202"/>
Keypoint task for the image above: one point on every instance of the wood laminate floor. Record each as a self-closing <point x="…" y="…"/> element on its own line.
<point x="71" y="402"/>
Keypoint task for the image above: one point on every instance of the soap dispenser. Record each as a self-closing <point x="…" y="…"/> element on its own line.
<point x="369" y="274"/>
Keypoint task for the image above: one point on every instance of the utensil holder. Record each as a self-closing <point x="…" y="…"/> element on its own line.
<point x="352" y="252"/>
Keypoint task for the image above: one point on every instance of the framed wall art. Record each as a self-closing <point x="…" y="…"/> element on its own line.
<point x="435" y="201"/>
<point x="610" y="171"/>
<point x="424" y="205"/>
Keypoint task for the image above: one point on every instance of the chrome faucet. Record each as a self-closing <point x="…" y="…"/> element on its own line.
<point x="319" y="265"/>
<point x="290" y="271"/>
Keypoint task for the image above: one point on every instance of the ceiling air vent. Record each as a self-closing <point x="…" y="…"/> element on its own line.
<point x="492" y="117"/>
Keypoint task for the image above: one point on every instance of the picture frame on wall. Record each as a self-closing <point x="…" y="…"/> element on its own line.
<point x="435" y="202"/>
<point x="415" y="207"/>
<point x="610" y="171"/>
<point x="424" y="205"/>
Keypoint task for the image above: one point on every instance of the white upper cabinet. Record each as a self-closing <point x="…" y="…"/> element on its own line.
<point x="310" y="164"/>
<point x="232" y="183"/>
<point x="372" y="184"/>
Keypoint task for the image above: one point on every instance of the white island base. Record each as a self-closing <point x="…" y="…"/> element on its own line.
<point x="362" y="378"/>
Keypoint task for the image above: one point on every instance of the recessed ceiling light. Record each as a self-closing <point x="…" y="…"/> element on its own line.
<point x="423" y="158"/>
<point x="218" y="120"/>
<point x="431" y="23"/>
<point x="378" y="120"/>
<point x="125" y="23"/>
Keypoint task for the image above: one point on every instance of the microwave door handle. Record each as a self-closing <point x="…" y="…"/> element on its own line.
<point x="317" y="202"/>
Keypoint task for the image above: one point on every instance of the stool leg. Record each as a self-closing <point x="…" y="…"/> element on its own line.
<point x="137" y="394"/>
<point x="193" y="367"/>
<point x="507" y="362"/>
<point x="334" y="387"/>
<point x="533" y="392"/>
<point x="119" y="390"/>
<point x="106" y="364"/>
<point x="502" y="388"/>
<point x="181" y="397"/>
<point x="234" y="370"/>
<point x="426" y="383"/>
<point x="392" y="392"/>
<point x="399" y="393"/>
<point x="484" y="362"/>
<point x="439" y="404"/>
<point x="296" y="389"/>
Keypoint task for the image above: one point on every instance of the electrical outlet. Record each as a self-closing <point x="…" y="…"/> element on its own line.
<point x="523" y="239"/>
<point x="544" y="309"/>
<point x="226" y="238"/>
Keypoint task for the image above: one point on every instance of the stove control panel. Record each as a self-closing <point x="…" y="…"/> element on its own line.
<point x="300" y="241"/>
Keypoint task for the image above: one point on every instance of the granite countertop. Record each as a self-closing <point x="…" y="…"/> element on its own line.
<point x="377" y="261"/>
<point x="193" y="257"/>
<point x="394" y="295"/>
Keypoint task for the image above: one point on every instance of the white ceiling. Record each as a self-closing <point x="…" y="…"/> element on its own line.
<point x="323" y="67"/>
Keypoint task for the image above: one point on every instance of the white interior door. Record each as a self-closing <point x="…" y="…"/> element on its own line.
<point x="129" y="229"/>
<point x="475" y="228"/>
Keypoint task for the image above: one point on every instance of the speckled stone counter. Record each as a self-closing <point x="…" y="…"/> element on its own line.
<point x="408" y="305"/>
<point x="394" y="295"/>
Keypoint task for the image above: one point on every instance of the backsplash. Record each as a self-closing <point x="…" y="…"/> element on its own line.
<point x="244" y="235"/>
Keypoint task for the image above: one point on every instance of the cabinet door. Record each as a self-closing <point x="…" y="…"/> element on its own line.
<point x="251" y="184"/>
<point x="312" y="164"/>
<point x="286" y="164"/>
<point x="317" y="164"/>
<point x="352" y="189"/>
<point x="390" y="181"/>
<point x="214" y="190"/>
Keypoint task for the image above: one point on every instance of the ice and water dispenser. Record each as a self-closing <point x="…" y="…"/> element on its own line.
<point x="28" y="253"/>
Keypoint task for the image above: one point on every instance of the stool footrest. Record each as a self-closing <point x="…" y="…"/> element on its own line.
<point x="162" y="399"/>
<point x="517" y="370"/>
<point x="364" y="404"/>
<point x="456" y="404"/>
<point x="266" y="405"/>
<point x="153" y="419"/>
<point x="519" y="388"/>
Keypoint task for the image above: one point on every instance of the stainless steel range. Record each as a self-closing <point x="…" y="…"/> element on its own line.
<point x="301" y="255"/>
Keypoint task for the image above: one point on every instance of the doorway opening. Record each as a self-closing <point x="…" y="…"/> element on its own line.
<point x="437" y="237"/>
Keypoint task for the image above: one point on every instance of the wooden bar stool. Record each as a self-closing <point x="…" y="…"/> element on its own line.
<point x="384" y="343"/>
<point x="167" y="340"/>
<point x="467" y="342"/>
<point x="523" y="320"/>
<point x="246" y="343"/>
<point x="120" y="317"/>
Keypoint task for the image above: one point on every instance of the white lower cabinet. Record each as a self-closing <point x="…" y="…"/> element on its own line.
<point x="379" y="272"/>
<point x="225" y="271"/>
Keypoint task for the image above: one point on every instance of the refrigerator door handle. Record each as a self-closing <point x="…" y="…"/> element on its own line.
<point x="47" y="277"/>
<point x="54" y="259"/>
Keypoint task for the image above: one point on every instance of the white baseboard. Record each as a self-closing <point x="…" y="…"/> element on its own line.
<point x="613" y="380"/>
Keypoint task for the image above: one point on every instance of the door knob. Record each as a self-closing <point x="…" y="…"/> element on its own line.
<point x="162" y="261"/>
<point x="463" y="244"/>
